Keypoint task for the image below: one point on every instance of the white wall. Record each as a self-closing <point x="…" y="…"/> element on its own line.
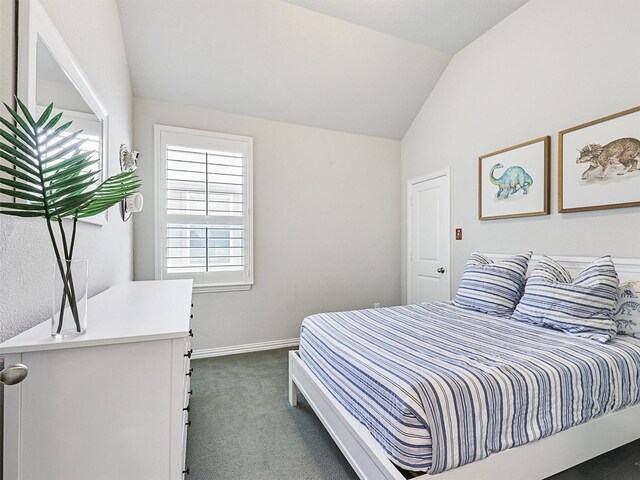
<point x="326" y="224"/>
<point x="551" y="65"/>
<point x="26" y="256"/>
<point x="92" y="32"/>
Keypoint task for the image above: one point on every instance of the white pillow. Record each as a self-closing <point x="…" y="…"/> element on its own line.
<point x="627" y="314"/>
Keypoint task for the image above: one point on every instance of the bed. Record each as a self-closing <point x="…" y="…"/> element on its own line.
<point x="462" y="395"/>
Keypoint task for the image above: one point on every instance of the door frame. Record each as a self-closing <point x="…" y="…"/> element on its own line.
<point x="446" y="173"/>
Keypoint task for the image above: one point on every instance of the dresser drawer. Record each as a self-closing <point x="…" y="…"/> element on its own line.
<point x="186" y="422"/>
<point x="180" y="410"/>
<point x="186" y="362"/>
<point x="187" y="392"/>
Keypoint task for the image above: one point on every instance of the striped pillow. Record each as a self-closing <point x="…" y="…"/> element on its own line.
<point x="583" y="307"/>
<point x="492" y="287"/>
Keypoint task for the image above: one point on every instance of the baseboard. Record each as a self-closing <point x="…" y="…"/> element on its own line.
<point x="250" y="347"/>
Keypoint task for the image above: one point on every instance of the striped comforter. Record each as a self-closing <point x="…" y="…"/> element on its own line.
<point x="438" y="386"/>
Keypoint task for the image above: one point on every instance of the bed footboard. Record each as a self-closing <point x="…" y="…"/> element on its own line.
<point x="365" y="456"/>
<point x="293" y="389"/>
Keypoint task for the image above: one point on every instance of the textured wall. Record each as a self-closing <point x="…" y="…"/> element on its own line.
<point x="551" y="65"/>
<point x="92" y="32"/>
<point x="26" y="259"/>
<point x="325" y="217"/>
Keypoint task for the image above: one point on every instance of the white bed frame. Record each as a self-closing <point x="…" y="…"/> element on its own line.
<point x="532" y="461"/>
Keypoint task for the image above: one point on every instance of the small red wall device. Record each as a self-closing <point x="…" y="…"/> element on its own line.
<point x="458" y="234"/>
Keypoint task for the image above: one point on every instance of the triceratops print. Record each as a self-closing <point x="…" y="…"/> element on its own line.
<point x="512" y="180"/>
<point x="623" y="151"/>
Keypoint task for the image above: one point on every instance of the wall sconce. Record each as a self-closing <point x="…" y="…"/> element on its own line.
<point x="128" y="163"/>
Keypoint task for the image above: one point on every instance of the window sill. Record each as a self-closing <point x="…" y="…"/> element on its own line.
<point x="236" y="287"/>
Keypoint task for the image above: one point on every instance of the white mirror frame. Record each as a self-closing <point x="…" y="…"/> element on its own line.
<point x="34" y="23"/>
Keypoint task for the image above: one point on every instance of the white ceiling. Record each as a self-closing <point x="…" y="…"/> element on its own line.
<point x="276" y="60"/>
<point x="446" y="25"/>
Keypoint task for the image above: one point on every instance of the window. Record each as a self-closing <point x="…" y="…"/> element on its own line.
<point x="204" y="208"/>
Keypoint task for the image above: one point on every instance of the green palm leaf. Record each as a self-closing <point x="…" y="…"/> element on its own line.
<point x="69" y="180"/>
<point x="45" y="115"/>
<point x="50" y="176"/>
<point x="26" y="115"/>
<point x="19" y="120"/>
<point x="16" y="131"/>
<point x="17" y="173"/>
<point x="109" y="193"/>
<point x="17" y="158"/>
<point x="64" y="165"/>
<point x="54" y="121"/>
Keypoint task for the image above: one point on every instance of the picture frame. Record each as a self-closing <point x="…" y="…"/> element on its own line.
<point x="521" y="188"/>
<point x="599" y="163"/>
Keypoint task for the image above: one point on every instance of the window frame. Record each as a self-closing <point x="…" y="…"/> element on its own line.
<point x="162" y="135"/>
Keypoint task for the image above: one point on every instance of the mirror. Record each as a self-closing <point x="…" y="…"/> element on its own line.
<point x="48" y="73"/>
<point x="53" y="86"/>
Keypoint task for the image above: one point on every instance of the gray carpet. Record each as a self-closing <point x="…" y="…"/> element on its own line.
<point x="243" y="428"/>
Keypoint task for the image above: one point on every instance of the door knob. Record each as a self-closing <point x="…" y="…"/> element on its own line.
<point x="14" y="374"/>
<point x="440" y="270"/>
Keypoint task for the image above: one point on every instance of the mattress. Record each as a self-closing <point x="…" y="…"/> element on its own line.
<point x="438" y="386"/>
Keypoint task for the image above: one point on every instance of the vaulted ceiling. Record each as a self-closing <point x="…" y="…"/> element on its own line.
<point x="446" y="25"/>
<point x="351" y="65"/>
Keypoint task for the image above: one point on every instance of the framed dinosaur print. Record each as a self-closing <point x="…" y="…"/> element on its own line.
<point x="514" y="182"/>
<point x="599" y="163"/>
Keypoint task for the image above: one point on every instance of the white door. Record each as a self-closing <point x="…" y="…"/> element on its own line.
<point x="428" y="239"/>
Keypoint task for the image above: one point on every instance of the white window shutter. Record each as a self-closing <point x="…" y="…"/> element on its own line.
<point x="205" y="217"/>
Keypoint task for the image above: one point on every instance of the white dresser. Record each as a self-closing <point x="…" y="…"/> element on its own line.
<point x="111" y="404"/>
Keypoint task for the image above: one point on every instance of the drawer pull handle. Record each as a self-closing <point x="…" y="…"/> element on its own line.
<point x="191" y="316"/>
<point x="186" y="409"/>
<point x="188" y="374"/>
<point x="185" y="471"/>
<point x="188" y="424"/>
<point x="191" y="332"/>
<point x="13" y="374"/>
<point x="190" y="392"/>
<point x="188" y="354"/>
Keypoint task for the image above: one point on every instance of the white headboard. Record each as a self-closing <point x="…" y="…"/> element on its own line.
<point x="627" y="268"/>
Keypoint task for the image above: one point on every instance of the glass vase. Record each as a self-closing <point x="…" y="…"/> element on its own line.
<point x="70" y="288"/>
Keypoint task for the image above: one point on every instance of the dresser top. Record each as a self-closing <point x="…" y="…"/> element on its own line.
<point x="128" y="312"/>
